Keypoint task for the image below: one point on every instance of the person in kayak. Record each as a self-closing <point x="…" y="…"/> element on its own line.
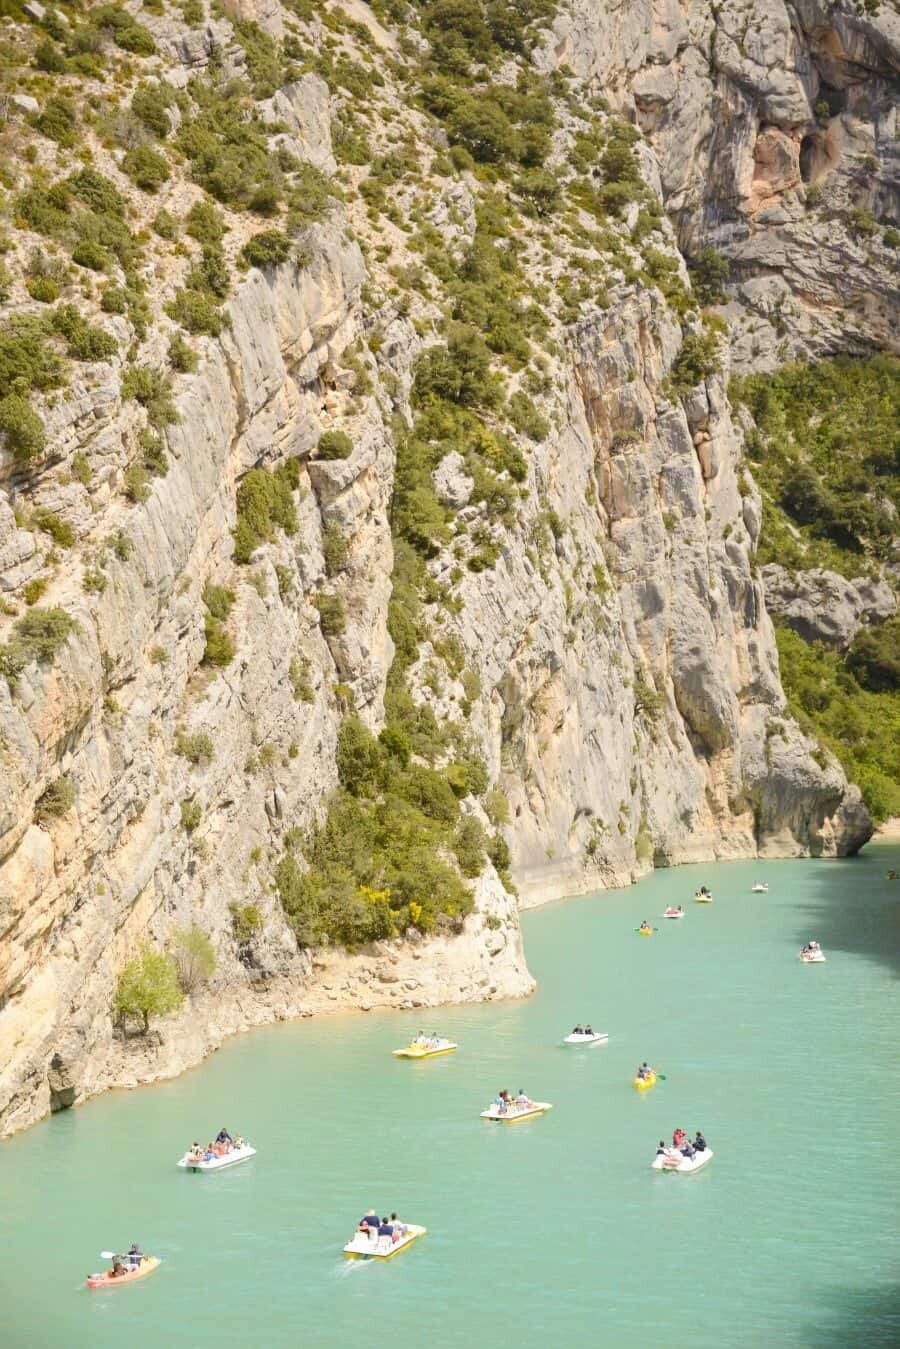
<point x="134" y="1255"/>
<point x="699" y="1142"/>
<point x="118" y="1269"/>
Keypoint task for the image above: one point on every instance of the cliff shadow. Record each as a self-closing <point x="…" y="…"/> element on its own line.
<point x="868" y="1318"/>
<point x="863" y="913"/>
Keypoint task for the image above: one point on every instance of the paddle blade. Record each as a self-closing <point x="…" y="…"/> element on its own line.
<point x="107" y="1255"/>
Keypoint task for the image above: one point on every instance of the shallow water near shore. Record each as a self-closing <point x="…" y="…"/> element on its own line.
<point x="554" y="1230"/>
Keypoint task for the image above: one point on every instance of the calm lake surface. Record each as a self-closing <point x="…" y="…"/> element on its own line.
<point x="554" y="1232"/>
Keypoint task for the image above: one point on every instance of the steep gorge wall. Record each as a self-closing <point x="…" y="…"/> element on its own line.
<point x="629" y="705"/>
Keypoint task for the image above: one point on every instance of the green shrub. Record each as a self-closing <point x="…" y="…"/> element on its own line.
<point x="263" y="59"/>
<point x="182" y="356"/>
<point x="874" y="658"/>
<point x="43" y="289"/>
<point x="92" y="255"/>
<point x="697" y="359"/>
<point x="83" y="342"/>
<point x="218" y="600"/>
<point x="58" y="120"/>
<point x="194" y="957"/>
<point x="267" y="249"/>
<point x="195" y="747"/>
<point x="358" y="757"/>
<point x="191" y="815"/>
<point x="21" y="427"/>
<point x="332" y="614"/>
<point x="710" y="273"/>
<point x="149" y="103"/>
<point x="197" y="313"/>
<point x="227" y="146"/>
<point x="152" y="388"/>
<point x="525" y="417"/>
<point x="219" y="649"/>
<point x="334" y="445"/>
<point x="60" y="531"/>
<point x="165" y="225"/>
<point x="264" y="502"/>
<point x="146" y="168"/>
<point x="458" y="372"/>
<point x="300" y="683"/>
<point x="55" y="801"/>
<point x="246" y="921"/>
<point x="206" y="224"/>
<point x="49" y="57"/>
<point x="335" y="551"/>
<point x="147" y="986"/>
<point x="37" y="636"/>
<point x="136" y="483"/>
<point x="469" y="846"/>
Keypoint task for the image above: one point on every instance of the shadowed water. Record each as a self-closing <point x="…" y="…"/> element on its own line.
<point x="554" y="1229"/>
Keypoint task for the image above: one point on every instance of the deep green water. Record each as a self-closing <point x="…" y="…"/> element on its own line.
<point x="553" y="1231"/>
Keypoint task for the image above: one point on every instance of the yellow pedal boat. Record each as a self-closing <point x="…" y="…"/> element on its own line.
<point x="644" y="1083"/>
<point x="429" y="1050"/>
<point x="363" y="1247"/>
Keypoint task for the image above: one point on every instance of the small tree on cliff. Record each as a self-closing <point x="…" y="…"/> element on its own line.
<point x="148" y="986"/>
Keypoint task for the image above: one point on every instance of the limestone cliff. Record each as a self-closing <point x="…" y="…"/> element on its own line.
<point x="600" y="635"/>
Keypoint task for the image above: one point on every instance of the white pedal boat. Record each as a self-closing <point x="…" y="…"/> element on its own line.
<point x="516" y="1113"/>
<point x="816" y="957"/>
<point x="363" y="1247"/>
<point x="673" y="1160"/>
<point x="586" y="1038"/>
<point x="187" y="1162"/>
<point x="759" y="888"/>
<point x="673" y="913"/>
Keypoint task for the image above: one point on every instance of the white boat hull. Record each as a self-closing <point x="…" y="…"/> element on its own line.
<point x="759" y="889"/>
<point x="363" y="1247"/>
<point x="586" y="1039"/>
<point x="812" y="957"/>
<point x="687" y="1166"/>
<point x="673" y="915"/>
<point x="218" y="1163"/>
<point x="514" y="1115"/>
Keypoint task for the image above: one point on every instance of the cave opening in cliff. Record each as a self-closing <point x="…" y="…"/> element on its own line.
<point x="808" y="157"/>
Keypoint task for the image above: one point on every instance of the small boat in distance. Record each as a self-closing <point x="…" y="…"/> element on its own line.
<point x="371" y="1246"/>
<point x="108" y="1279"/>
<point x="702" y="896"/>
<point x="759" y="888"/>
<point x="644" y="1079"/>
<point x="583" y="1035"/>
<point x="812" y="954"/>
<point x="504" y="1110"/>
<point x="216" y="1156"/>
<point x="673" y="1160"/>
<point x="673" y="912"/>
<point x="425" y="1047"/>
<point x="645" y="930"/>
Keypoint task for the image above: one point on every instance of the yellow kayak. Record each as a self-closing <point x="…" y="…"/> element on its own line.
<point x="644" y="1083"/>
<point x="645" y="931"/>
<point x="414" y="1051"/>
<point x="147" y="1266"/>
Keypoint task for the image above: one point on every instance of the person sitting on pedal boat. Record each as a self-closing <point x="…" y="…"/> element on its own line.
<point x="223" y="1137"/>
<point x="523" y="1101"/>
<point x="400" y="1228"/>
<point x="699" y="1142"/>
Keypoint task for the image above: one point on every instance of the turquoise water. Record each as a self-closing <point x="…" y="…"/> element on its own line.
<point x="555" y="1229"/>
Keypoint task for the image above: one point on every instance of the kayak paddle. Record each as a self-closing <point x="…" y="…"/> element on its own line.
<point x="640" y="929"/>
<point x="108" y="1255"/>
<point x="660" y="1077"/>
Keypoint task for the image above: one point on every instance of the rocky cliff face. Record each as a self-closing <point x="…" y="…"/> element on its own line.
<point x="612" y="655"/>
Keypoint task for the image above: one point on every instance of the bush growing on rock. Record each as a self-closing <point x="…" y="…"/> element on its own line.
<point x="335" y="551"/>
<point x="269" y="248"/>
<point x="146" y="168"/>
<point x="334" y="445"/>
<point x="147" y="986"/>
<point x="697" y="359"/>
<point x="264" y="502"/>
<point x="332" y="614"/>
<point x="55" y="801"/>
<point x="21" y="428"/>
<point x="37" y="636"/>
<point x="246" y="921"/>
<point x="194" y="957"/>
<point x="195" y="747"/>
<point x="191" y="815"/>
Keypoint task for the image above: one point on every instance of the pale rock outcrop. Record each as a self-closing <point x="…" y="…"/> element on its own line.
<point x="824" y="607"/>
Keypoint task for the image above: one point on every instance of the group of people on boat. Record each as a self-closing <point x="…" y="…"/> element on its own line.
<point x="644" y="1073"/>
<point x="505" y="1104"/>
<point x="432" y="1041"/>
<point x="810" y="948"/>
<point x="582" y="1030"/>
<point x="373" y="1227"/>
<point x="702" y="893"/>
<point x="124" y="1264"/>
<point x="222" y="1144"/>
<point x="681" y="1145"/>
